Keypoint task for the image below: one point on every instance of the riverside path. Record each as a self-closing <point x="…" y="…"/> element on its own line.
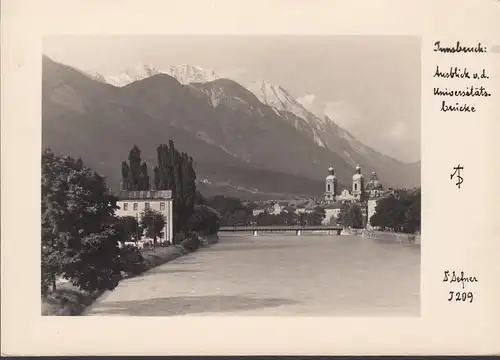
<point x="313" y="275"/>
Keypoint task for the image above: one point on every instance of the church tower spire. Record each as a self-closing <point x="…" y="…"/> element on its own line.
<point x="358" y="184"/>
<point x="331" y="185"/>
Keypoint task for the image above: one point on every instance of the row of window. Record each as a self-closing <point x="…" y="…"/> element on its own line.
<point x="147" y="206"/>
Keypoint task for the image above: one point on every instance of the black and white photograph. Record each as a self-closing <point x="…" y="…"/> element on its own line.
<point x="231" y="175"/>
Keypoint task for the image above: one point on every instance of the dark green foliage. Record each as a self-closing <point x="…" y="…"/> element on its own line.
<point x="175" y="172"/>
<point x="290" y="218"/>
<point x="342" y="216"/>
<point x="127" y="228"/>
<point x="179" y="237"/>
<point x="399" y="211"/>
<point x="144" y="178"/>
<point x="354" y="217"/>
<point x="316" y="216"/>
<point x="301" y="219"/>
<point x="192" y="242"/>
<point x="283" y="218"/>
<point x="78" y="238"/>
<point x="134" y="159"/>
<point x="153" y="222"/>
<point x="131" y="260"/>
<point x="200" y="199"/>
<point x="204" y="220"/>
<point x="232" y="211"/>
<point x="135" y="172"/>
<point x="126" y="178"/>
<point x="264" y="219"/>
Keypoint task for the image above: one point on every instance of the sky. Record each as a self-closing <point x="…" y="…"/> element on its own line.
<point x="369" y="85"/>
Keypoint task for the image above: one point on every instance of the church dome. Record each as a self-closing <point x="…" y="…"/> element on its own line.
<point x="374" y="183"/>
<point x="332" y="174"/>
<point x="358" y="175"/>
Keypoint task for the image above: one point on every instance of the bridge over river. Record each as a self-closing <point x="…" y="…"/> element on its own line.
<point x="298" y="230"/>
<point x="277" y="275"/>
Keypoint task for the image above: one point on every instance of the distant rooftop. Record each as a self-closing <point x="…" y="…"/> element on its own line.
<point x="145" y="194"/>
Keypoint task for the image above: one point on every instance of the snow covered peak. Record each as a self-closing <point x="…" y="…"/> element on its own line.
<point x="278" y="98"/>
<point x="185" y="74"/>
<point x="131" y="75"/>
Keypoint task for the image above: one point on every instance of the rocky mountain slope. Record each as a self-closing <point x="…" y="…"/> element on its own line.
<point x="242" y="144"/>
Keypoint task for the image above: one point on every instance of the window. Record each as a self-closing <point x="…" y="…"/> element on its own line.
<point x="355" y="187"/>
<point x="162" y="206"/>
<point x="146" y="206"/>
<point x="136" y="206"/>
<point x="125" y="206"/>
<point x="328" y="187"/>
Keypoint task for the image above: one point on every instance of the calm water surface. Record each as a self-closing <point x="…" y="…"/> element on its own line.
<point x="310" y="275"/>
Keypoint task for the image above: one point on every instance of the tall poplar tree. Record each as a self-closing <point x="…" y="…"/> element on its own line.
<point x="134" y="159"/>
<point x="175" y="172"/>
<point x="135" y="173"/>
<point x="144" y="177"/>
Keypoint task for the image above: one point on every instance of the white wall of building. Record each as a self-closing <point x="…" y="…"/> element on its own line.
<point x="372" y="204"/>
<point x="135" y="207"/>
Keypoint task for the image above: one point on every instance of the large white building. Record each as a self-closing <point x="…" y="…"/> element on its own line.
<point x="133" y="203"/>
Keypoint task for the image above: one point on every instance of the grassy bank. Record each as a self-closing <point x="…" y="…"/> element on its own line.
<point x="68" y="300"/>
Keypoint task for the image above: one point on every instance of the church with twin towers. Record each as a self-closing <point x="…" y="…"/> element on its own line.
<point x="361" y="193"/>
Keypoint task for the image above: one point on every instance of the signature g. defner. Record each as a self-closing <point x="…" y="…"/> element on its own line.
<point x="462" y="279"/>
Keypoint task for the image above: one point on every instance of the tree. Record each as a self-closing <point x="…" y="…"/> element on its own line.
<point x="290" y="218"/>
<point x="134" y="159"/>
<point x="204" y="220"/>
<point x="264" y="219"/>
<point x="332" y="220"/>
<point x="342" y="215"/>
<point x="302" y="219"/>
<point x="131" y="228"/>
<point x="200" y="199"/>
<point x="316" y="217"/>
<point x="354" y="217"/>
<point x="175" y="172"/>
<point x="400" y="211"/>
<point x="153" y="222"/>
<point x="135" y="172"/>
<point x="231" y="210"/>
<point x="78" y="239"/>
<point x="144" y="177"/>
<point x="126" y="178"/>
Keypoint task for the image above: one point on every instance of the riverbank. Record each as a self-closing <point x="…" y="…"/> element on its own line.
<point x="68" y="300"/>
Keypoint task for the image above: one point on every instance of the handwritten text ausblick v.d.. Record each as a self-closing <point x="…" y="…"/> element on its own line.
<point x="454" y="74"/>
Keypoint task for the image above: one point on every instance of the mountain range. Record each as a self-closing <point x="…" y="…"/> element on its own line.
<point x="252" y="140"/>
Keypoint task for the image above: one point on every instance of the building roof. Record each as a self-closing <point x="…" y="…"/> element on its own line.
<point x="145" y="195"/>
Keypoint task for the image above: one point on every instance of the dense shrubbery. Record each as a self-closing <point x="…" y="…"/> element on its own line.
<point x="192" y="242"/>
<point x="204" y="220"/>
<point x="131" y="260"/>
<point x="350" y="215"/>
<point x="232" y="212"/>
<point x="79" y="241"/>
<point x="399" y="212"/>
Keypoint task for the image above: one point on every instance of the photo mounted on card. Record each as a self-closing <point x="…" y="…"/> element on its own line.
<point x="251" y="181"/>
<point x="287" y="173"/>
